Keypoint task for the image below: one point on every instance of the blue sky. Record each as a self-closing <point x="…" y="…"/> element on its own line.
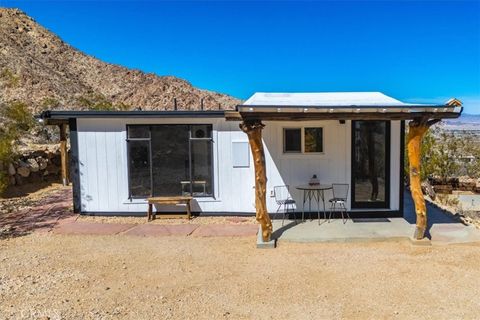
<point x="414" y="51"/>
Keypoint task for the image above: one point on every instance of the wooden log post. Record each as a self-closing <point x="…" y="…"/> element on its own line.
<point x="416" y="130"/>
<point x="253" y="129"/>
<point x="64" y="154"/>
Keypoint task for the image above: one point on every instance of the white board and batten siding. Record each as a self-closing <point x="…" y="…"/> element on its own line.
<point x="103" y="166"/>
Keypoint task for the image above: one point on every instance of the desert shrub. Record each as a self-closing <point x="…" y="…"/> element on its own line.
<point x="6" y="155"/>
<point x="98" y="102"/>
<point x="442" y="152"/>
<point x="49" y="103"/>
<point x="17" y="115"/>
<point x="6" y="146"/>
<point x="3" y="181"/>
<point x="16" y="119"/>
<point x="9" y="78"/>
<point x="447" y="200"/>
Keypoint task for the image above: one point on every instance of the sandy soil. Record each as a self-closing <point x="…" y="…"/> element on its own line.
<point x="194" y="220"/>
<point x="121" y="277"/>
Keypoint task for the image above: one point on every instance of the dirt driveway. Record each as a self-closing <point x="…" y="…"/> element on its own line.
<point x="127" y="277"/>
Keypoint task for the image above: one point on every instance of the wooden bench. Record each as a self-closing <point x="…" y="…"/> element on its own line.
<point x="169" y="200"/>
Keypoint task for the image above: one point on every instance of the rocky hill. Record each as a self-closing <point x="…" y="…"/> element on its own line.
<point x="38" y="68"/>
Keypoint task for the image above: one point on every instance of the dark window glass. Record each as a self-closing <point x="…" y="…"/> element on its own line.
<point x="292" y="140"/>
<point x="136" y="132"/>
<point x="201" y="168"/>
<point x="170" y="159"/>
<point x="313" y="139"/>
<point x="139" y="168"/>
<point x="181" y="160"/>
<point x="370" y="163"/>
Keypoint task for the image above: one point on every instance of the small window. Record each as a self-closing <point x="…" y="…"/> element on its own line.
<point x="313" y="140"/>
<point x="292" y="140"/>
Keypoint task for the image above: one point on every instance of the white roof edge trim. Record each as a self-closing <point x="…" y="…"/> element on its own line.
<point x="350" y="109"/>
<point x="326" y="99"/>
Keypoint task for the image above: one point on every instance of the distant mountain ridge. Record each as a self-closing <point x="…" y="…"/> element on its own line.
<point x="38" y="68"/>
<point x="469" y="122"/>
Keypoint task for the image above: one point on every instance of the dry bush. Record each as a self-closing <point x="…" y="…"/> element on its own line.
<point x="16" y="120"/>
<point x="447" y="200"/>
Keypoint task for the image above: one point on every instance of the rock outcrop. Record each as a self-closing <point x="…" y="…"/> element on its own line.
<point x="35" y="166"/>
<point x="38" y="68"/>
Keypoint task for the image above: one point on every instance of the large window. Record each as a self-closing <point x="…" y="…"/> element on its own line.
<point x="170" y="160"/>
<point x="306" y="140"/>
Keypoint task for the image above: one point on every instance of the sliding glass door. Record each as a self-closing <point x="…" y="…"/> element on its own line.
<point x="370" y="164"/>
<point x="170" y="160"/>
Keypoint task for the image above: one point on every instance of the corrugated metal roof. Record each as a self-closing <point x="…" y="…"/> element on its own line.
<point x="324" y="99"/>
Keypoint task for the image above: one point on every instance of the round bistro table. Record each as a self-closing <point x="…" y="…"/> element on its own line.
<point x="315" y="192"/>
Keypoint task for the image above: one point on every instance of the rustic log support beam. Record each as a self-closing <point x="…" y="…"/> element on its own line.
<point x="253" y="129"/>
<point x="64" y="153"/>
<point x="416" y="130"/>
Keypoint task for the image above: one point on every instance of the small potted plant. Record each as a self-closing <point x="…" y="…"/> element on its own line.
<point x="314" y="181"/>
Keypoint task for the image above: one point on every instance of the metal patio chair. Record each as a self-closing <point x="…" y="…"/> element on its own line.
<point x="283" y="199"/>
<point x="339" y="200"/>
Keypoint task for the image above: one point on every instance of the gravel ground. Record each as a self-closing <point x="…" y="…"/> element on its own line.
<point x="122" y="277"/>
<point x="194" y="220"/>
<point x="18" y="199"/>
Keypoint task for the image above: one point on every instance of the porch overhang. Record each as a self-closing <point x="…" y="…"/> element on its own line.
<point x="338" y="106"/>
<point x="308" y="115"/>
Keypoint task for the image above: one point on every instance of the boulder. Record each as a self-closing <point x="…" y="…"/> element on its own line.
<point x="52" y="169"/>
<point x="22" y="164"/>
<point x="12" y="181"/>
<point x="23" y="171"/>
<point x="39" y="153"/>
<point x="11" y="169"/>
<point x="33" y="165"/>
<point x="443" y="188"/>
<point x="18" y="180"/>
<point x="42" y="163"/>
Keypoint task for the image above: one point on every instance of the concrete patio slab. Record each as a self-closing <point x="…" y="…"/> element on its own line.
<point x="158" y="230"/>
<point x="91" y="228"/>
<point x="443" y="228"/>
<point x="337" y="231"/>
<point x="226" y="230"/>
<point x="451" y="233"/>
<point x="262" y="244"/>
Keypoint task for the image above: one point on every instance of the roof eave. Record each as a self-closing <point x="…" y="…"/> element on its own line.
<point x="62" y="116"/>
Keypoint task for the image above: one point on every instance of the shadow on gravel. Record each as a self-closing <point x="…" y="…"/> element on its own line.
<point x="435" y="214"/>
<point x="42" y="216"/>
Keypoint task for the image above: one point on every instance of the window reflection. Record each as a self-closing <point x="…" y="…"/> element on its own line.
<point x="181" y="160"/>
<point x="370" y="163"/>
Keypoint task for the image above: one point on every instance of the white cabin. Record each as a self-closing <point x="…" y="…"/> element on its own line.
<point x="119" y="159"/>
